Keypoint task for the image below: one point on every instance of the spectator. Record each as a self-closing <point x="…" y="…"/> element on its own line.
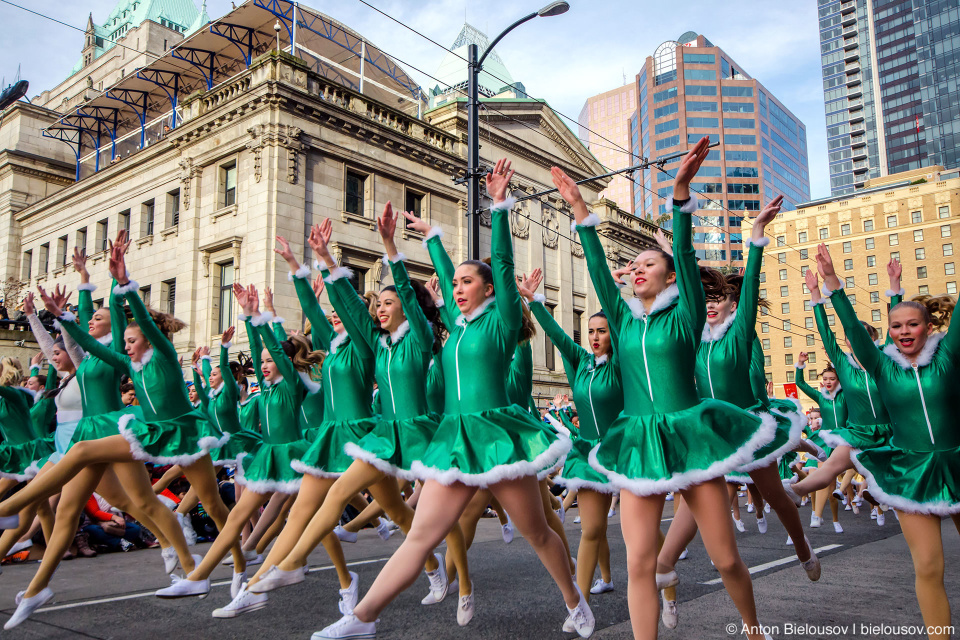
<point x="108" y="528"/>
<point x="128" y="394"/>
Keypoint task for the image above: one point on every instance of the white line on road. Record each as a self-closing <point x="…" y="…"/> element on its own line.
<point x="776" y="563"/>
<point x="146" y="594"/>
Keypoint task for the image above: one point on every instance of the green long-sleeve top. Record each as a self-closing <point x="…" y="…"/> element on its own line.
<point x="280" y="400"/>
<point x="435" y="384"/>
<point x="220" y="404"/>
<point x="595" y="383"/>
<point x="520" y="376"/>
<point x="920" y="397"/>
<point x="833" y="406"/>
<point x="758" y="374"/>
<point x="16" y="427"/>
<point x="347" y="370"/>
<point x="725" y="356"/>
<point x="311" y="409"/>
<point x="44" y="410"/>
<point x="657" y="346"/>
<point x="477" y="355"/>
<point x="402" y="357"/>
<point x="250" y="413"/>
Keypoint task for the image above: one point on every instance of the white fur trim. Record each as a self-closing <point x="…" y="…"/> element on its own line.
<point x="890" y="292"/>
<point x="320" y="265"/>
<point x="832" y="396"/>
<point x="440" y="303"/>
<point x="797" y="422"/>
<point x="206" y="445"/>
<point x="833" y="440"/>
<point x="689" y="207"/>
<point x="264" y="487"/>
<point x="226" y="345"/>
<point x="602" y="360"/>
<point x="663" y="300"/>
<point x="591" y="220"/>
<point x="213" y="393"/>
<point x="278" y="320"/>
<point x="923" y="359"/>
<point x="302" y="272"/>
<point x="106" y="340"/>
<point x="207" y="358"/>
<point x="463" y="319"/>
<point x="435" y="232"/>
<point x="357" y="452"/>
<point x="261" y="319"/>
<point x="339" y="339"/>
<point x="800" y="366"/>
<point x="242" y="317"/>
<point x="521" y="469"/>
<point x="337" y="273"/>
<point x="679" y="481"/>
<point x="144" y="361"/>
<point x="762" y="242"/>
<point x="387" y="260"/>
<point x="396" y="335"/>
<point x="504" y="205"/>
<point x="86" y="286"/>
<point x="576" y="484"/>
<point x="714" y="334"/>
<point x="31" y="471"/>
<point x="301" y="467"/>
<point x="827" y="292"/>
<point x="130" y="287"/>
<point x="66" y="316"/>
<point x="312" y="386"/>
<point x="898" y="502"/>
<point x="539" y="297"/>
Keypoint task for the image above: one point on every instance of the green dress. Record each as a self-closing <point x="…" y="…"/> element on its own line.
<point x="168" y="429"/>
<point x="918" y="469"/>
<point x="833" y="413"/>
<point x="23" y="449"/>
<point x="44" y="410"/>
<point x="435" y="384"/>
<point x="597" y="390"/>
<point x="311" y="409"/>
<point x="250" y="413"/>
<point x="402" y="359"/>
<point x="347" y="387"/>
<point x="726" y="358"/>
<point x="667" y="438"/>
<point x="484" y="438"/>
<point x="267" y="468"/>
<point x="222" y="409"/>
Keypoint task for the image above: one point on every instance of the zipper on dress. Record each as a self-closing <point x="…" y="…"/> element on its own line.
<point x="456" y="354"/>
<point x="146" y="392"/>
<point x="393" y="402"/>
<point x="923" y="402"/>
<point x="866" y="383"/>
<point x="709" y="371"/>
<point x="643" y="345"/>
<point x="593" y="411"/>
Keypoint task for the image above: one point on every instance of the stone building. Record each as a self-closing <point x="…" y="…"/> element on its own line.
<point x="271" y="148"/>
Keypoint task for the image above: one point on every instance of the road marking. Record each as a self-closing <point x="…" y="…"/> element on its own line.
<point x="776" y="563"/>
<point x="146" y="594"/>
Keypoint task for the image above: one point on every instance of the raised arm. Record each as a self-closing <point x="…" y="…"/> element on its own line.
<point x="283" y="362"/>
<point x="802" y="385"/>
<point x="230" y="387"/>
<point x="253" y="336"/>
<point x="746" y="320"/>
<point x="442" y="263"/>
<point x="507" y="302"/>
<point x="895" y="292"/>
<point x="118" y="319"/>
<point x="827" y="336"/>
<point x="118" y="360"/>
<point x="570" y="350"/>
<point x="85" y="288"/>
<point x="420" y="327"/>
<point x="43" y="337"/>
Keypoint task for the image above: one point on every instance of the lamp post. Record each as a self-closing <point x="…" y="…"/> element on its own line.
<point x="474" y="173"/>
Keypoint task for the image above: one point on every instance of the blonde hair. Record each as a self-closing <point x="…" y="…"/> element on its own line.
<point x="166" y="322"/>
<point x="11" y="372"/>
<point x="936" y="310"/>
<point x="300" y="351"/>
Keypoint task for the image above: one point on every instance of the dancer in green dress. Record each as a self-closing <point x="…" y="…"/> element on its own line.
<point x="667" y="438"/>
<point x="483" y="440"/>
<point x="917" y="470"/>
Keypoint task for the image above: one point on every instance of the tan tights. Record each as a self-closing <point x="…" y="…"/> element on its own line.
<point x="923" y="536"/>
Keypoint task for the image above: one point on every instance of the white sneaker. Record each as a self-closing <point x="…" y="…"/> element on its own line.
<point x="347" y="627"/>
<point x="667" y="580"/>
<point x="506" y="531"/>
<point x="252" y="558"/>
<point x="390" y="523"/>
<point x="820" y="454"/>
<point x="811" y="566"/>
<point x="839" y="496"/>
<point x="762" y="524"/>
<point x="183" y="588"/>
<point x="238" y="580"/>
<point x="683" y="556"/>
<point x="847" y="508"/>
<point x="244" y="602"/>
<point x="611" y="513"/>
<point x="880" y="518"/>
<point x="766" y="507"/>
<point x="750" y="508"/>
<point x="581" y="617"/>
<point x="275" y="577"/>
<point x="11" y="522"/>
<point x="384" y="531"/>
<point x="188" y="532"/>
<point x="170" y="560"/>
<point x="669" y="497"/>
<point x="789" y="541"/>
<point x="345" y="536"/>
<point x="562" y="513"/>
<point x="438" y="583"/>
<point x="788" y="489"/>
<point x="815" y="522"/>
<point x="669" y="615"/>
<point x="350" y="595"/>
<point x="601" y="587"/>
<point x="837" y="528"/>
<point x="20" y="546"/>
<point x="576" y="520"/>
<point x="740" y="526"/>
<point x="873" y="513"/>
<point x="27" y="606"/>
<point x="465" y="609"/>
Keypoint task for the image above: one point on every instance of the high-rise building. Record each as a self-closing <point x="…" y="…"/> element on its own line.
<point x="890" y="87"/>
<point x="691" y="88"/>
<point x="910" y="216"/>
<point x="605" y="128"/>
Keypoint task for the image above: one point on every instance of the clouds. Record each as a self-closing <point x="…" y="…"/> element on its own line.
<point x="563" y="59"/>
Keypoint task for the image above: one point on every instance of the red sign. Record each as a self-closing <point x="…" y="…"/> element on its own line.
<point x="790" y="388"/>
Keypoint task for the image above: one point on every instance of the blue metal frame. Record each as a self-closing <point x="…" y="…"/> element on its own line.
<point x="331" y="73"/>
<point x="58" y="132"/>
<point x="165" y="80"/>
<point x="139" y="106"/>
<point x="106" y="119"/>
<point x="200" y="59"/>
<point x="232" y="33"/>
<point x="286" y="17"/>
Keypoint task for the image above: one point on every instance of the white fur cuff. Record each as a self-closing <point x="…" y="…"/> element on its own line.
<point x="320" y="265"/>
<point x="539" y="297"/>
<point x="86" y="286"/>
<point x="302" y="272"/>
<point x="762" y="242"/>
<point x="66" y="316"/>
<point x="277" y="320"/>
<point x="801" y="366"/>
<point x="591" y="220"/>
<point x="336" y="274"/>
<point x="262" y="319"/>
<point x="397" y="258"/>
<point x="130" y="287"/>
<point x="890" y="292"/>
<point x="828" y="292"/>
<point x="207" y="358"/>
<point x="435" y="232"/>
<point x="242" y="317"/>
<point x="689" y="207"/>
<point x="505" y="205"/>
<point x="226" y="345"/>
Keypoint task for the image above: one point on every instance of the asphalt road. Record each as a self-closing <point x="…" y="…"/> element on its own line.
<point x="867" y="580"/>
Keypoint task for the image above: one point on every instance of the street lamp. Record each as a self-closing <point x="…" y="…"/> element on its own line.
<point x="474" y="173"/>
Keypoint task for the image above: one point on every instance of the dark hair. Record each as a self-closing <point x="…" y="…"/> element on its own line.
<point x="598" y="314"/>
<point x="127" y="387"/>
<point x="829" y="369"/>
<point x="42" y="379"/>
<point x="668" y="258"/>
<point x="430" y="310"/>
<point x="236" y="371"/>
<point x="872" y="330"/>
<point x="300" y="351"/>
<point x="167" y="324"/>
<point x="936" y="310"/>
<point x="483" y="268"/>
<point x="735" y="286"/>
<point x="714" y="283"/>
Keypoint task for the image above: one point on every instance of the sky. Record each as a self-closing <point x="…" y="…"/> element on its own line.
<point x="563" y="60"/>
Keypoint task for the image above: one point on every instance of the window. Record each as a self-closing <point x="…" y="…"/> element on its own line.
<point x="783" y="274"/>
<point x="845" y="229"/>
<point x="848" y="282"/>
<point x="853" y="298"/>
<point x="811" y="340"/>
<point x="918" y="235"/>
<point x="700" y="74"/>
<point x="920" y="253"/>
<point x="763" y="276"/>
<point x="786" y="325"/>
<point x="944" y="212"/>
<point x="577" y="321"/>
<point x="145" y="295"/>
<point x="871" y="261"/>
<point x="699" y="58"/>
<point x="872" y="279"/>
<point x="807" y="306"/>
<point x="173" y="208"/>
<point x="124" y="220"/>
<point x="808" y="323"/>
<point x="916" y="216"/>
<point x="784" y="307"/>
<point x="921" y="272"/>
<point x="895" y="255"/>
<point x="803" y="270"/>
<point x="228" y="184"/>
<point x="949" y="269"/>
<point x="787" y="342"/>
<point x="848" y="265"/>
<point x="767" y="361"/>
<point x="782" y="257"/>
<point x="764" y="327"/>
<point x="413" y="202"/>
<point x="923" y="290"/>
<point x="82" y="240"/>
<point x="869" y="243"/>
<point x="868" y="225"/>
<point x="831" y="319"/>
<point x="891" y="221"/>
<point x="790" y="376"/>
<point x="224" y="302"/>
<point x="874" y="297"/>
<point x="948" y="249"/>
<point x="894" y="239"/>
<point x="548" y="344"/>
<point x="802" y="236"/>
<point x="848" y="247"/>
<point x="102" y="237"/>
<point x="788" y="358"/>
<point x="737" y="92"/>
<point x="354" y="192"/>
<point x="875" y="315"/>
<point x="824" y="233"/>
<point x="168" y="296"/>
<point x="784" y="291"/>
<point x="26" y="269"/>
<point x="44" y="258"/>
<point x="781" y="241"/>
<point x="765" y="343"/>
<point x="146" y="219"/>
<point x="763" y="293"/>
<point x="813" y="360"/>
<point x="952" y="288"/>
<point x="945" y="231"/>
